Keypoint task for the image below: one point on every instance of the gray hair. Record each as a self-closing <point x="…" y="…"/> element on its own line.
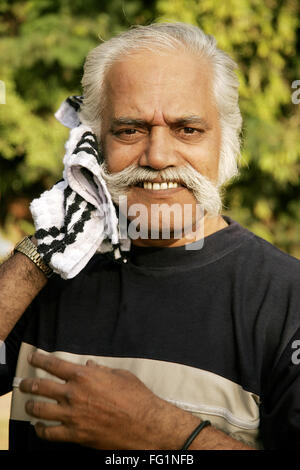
<point x="170" y="36"/>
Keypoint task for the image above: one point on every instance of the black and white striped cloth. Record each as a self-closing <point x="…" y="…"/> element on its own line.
<point x="76" y="217"/>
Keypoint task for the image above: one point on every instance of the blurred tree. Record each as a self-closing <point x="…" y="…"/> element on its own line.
<point x="43" y="44"/>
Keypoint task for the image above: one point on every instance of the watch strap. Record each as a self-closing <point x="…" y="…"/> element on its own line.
<point x="29" y="249"/>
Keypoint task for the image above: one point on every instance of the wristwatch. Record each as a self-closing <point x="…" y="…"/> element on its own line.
<point x="28" y="248"/>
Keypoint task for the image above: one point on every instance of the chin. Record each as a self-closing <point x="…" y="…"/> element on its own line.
<point x="154" y="231"/>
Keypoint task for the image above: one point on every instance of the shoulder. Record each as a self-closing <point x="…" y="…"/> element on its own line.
<point x="281" y="265"/>
<point x="263" y="257"/>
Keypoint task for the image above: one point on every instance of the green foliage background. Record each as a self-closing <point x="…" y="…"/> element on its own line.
<point x="43" y="44"/>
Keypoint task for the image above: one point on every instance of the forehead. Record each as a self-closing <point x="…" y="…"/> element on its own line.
<point x="168" y="83"/>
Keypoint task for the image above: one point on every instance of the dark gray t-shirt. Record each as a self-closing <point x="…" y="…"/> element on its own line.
<point x="212" y="330"/>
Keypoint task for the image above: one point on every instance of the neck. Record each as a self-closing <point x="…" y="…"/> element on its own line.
<point x="209" y="226"/>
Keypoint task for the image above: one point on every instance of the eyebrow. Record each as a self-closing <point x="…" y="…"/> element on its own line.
<point x="192" y="120"/>
<point x="128" y="121"/>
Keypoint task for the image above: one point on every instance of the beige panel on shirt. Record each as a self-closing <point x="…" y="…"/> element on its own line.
<point x="205" y="394"/>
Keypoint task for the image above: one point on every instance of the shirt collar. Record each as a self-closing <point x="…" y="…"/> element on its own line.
<point x="210" y="248"/>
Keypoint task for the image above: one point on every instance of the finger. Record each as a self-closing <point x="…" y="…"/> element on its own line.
<point x="92" y="363"/>
<point x="55" y="366"/>
<point x="46" y="410"/>
<point x="53" y="433"/>
<point x="44" y="387"/>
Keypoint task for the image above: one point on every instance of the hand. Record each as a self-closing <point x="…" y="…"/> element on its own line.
<point x="102" y="408"/>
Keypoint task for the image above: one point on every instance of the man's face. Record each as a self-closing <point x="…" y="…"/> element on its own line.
<point x="160" y="113"/>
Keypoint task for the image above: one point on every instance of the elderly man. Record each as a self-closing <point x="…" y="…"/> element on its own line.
<point x="187" y="340"/>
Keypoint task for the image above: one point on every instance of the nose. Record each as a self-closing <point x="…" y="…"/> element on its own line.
<point x="160" y="151"/>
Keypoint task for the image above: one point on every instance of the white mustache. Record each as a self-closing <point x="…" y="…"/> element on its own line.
<point x="205" y="192"/>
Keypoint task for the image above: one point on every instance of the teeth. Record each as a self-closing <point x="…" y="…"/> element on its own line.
<point x="157" y="186"/>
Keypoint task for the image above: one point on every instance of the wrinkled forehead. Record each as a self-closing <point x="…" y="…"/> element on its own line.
<point x="167" y="82"/>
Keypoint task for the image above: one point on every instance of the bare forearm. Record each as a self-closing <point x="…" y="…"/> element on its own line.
<point x="177" y="425"/>
<point x="211" y="438"/>
<point x="20" y="281"/>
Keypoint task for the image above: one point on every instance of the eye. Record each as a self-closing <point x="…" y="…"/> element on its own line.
<point x="190" y="130"/>
<point x="128" y="135"/>
<point x="129" y="131"/>
<point x="190" y="133"/>
<point x="125" y="132"/>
